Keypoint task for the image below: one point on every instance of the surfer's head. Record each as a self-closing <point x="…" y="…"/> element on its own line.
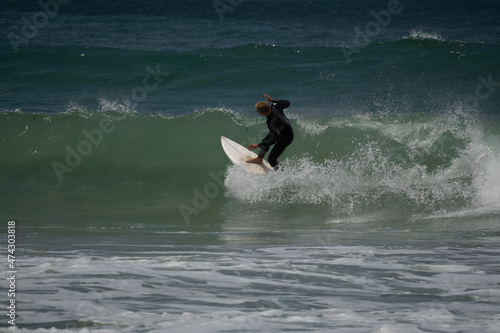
<point x="263" y="108"/>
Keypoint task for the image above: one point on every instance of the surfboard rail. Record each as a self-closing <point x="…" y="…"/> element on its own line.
<point x="239" y="155"/>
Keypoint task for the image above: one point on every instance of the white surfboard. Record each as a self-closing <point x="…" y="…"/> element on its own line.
<point x="239" y="155"/>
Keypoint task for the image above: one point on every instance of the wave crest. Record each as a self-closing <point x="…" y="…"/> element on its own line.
<point x="420" y="34"/>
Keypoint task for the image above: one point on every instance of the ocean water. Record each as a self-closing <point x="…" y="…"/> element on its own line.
<point x="128" y="216"/>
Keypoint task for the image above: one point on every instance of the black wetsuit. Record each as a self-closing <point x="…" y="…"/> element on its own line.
<point x="280" y="133"/>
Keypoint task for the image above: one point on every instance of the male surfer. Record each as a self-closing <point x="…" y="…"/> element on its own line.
<point x="280" y="131"/>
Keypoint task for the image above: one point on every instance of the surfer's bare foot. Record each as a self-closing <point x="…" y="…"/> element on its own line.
<point x="258" y="160"/>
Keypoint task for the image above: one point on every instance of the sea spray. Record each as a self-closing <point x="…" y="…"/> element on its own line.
<point x="395" y="165"/>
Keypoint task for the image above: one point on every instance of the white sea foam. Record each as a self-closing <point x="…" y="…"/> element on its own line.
<point x="218" y="288"/>
<point x="377" y="178"/>
<point x="420" y="34"/>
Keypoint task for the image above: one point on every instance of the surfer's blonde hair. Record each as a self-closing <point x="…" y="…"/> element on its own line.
<point x="263" y="108"/>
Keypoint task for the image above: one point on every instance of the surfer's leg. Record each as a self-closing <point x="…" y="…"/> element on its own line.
<point x="275" y="153"/>
<point x="278" y="149"/>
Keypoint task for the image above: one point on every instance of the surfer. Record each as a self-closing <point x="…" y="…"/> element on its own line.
<point x="280" y="131"/>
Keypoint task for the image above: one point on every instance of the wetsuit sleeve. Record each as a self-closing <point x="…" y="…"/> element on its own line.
<point x="282" y="104"/>
<point x="269" y="140"/>
<point x="278" y="107"/>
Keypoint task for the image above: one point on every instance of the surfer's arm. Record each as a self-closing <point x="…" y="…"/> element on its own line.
<point x="268" y="141"/>
<point x="260" y="158"/>
<point x="282" y="104"/>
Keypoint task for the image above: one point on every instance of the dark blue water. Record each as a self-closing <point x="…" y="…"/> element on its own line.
<point x="335" y="57"/>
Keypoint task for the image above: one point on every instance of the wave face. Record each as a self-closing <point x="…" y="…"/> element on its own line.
<point x="389" y="165"/>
